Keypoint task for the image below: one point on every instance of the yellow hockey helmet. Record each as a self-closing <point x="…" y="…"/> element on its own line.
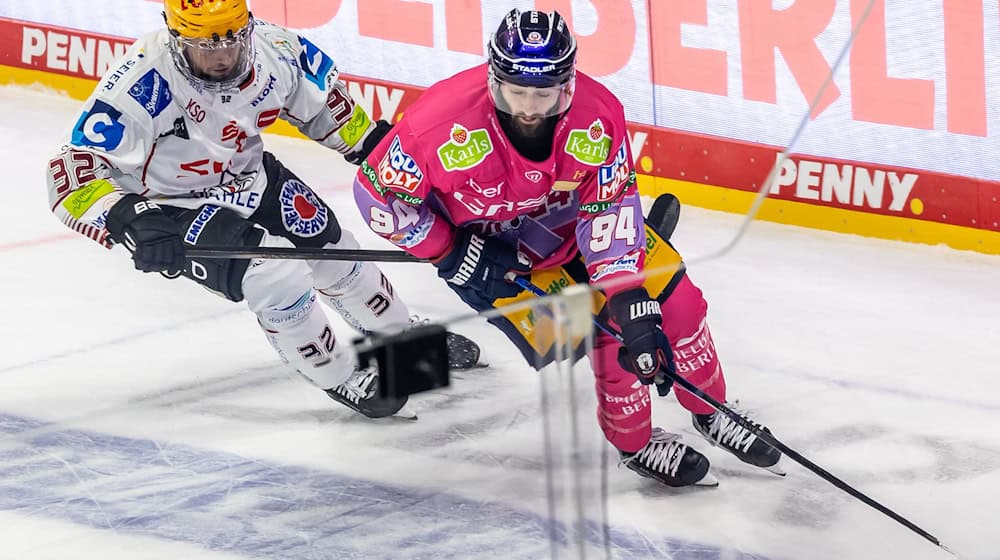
<point x="211" y="41"/>
<point x="206" y="19"/>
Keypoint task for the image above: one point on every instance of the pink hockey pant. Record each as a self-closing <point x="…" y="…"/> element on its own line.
<point x="624" y="404"/>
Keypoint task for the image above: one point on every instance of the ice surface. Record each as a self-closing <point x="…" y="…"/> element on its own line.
<point x="146" y="418"/>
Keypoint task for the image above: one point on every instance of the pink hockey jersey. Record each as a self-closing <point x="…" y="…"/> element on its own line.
<point x="447" y="164"/>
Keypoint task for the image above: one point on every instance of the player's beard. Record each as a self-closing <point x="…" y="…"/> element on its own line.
<point x="532" y="140"/>
<point x="529" y="126"/>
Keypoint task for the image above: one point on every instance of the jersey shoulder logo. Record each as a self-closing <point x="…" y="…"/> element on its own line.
<point x="152" y="92"/>
<point x="100" y="127"/>
<point x="398" y="171"/>
<point x="315" y="64"/>
<point x="589" y="146"/>
<point x="465" y="148"/>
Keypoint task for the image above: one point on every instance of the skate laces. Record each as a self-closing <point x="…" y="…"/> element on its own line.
<point x="358" y="386"/>
<point x="662" y="453"/>
<point x="724" y="430"/>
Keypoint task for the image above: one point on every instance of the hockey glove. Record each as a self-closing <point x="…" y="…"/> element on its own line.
<point x="375" y="136"/>
<point x="645" y="351"/>
<point x="148" y="233"/>
<point x="479" y="264"/>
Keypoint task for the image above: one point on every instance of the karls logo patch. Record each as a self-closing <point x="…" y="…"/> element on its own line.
<point x="301" y="212"/>
<point x="398" y="171"/>
<point x="465" y="149"/>
<point x="613" y="178"/>
<point x="315" y="64"/>
<point x="590" y="146"/>
<point x="152" y="92"/>
<point x="99" y="127"/>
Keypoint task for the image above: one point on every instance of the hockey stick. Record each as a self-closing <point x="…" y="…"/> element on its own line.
<point x="662" y="216"/>
<point x="765" y="436"/>
<point x="308" y="253"/>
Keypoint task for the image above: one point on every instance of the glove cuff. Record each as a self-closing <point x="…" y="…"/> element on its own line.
<point x="634" y="306"/>
<point x="123" y="212"/>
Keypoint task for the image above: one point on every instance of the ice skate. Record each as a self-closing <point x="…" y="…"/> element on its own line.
<point x="669" y="460"/>
<point x="360" y="393"/>
<point x="463" y="353"/>
<point x="722" y="431"/>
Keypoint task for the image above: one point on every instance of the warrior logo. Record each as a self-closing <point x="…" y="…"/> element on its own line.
<point x="534" y="175"/>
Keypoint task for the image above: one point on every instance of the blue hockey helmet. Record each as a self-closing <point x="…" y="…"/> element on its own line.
<point x="533" y="49"/>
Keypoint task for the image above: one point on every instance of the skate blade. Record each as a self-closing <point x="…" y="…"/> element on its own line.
<point x="776" y="469"/>
<point x="708" y="480"/>
<point x="405" y="413"/>
<point x="477" y="365"/>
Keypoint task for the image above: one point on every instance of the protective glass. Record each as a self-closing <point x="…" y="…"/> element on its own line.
<point x="526" y="101"/>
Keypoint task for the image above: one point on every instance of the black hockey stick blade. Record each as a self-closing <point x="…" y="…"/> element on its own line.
<point x="305" y="253"/>
<point x="664" y="214"/>
<point x="800" y="459"/>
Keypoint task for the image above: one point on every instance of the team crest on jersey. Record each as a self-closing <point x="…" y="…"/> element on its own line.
<point x="614" y="177"/>
<point x="465" y="148"/>
<point x="99" y="127"/>
<point x="590" y="146"/>
<point x="232" y="131"/>
<point x="152" y="92"/>
<point x="398" y="171"/>
<point x="301" y="212"/>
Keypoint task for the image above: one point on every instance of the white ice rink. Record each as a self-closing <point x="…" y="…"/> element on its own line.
<point x="143" y="418"/>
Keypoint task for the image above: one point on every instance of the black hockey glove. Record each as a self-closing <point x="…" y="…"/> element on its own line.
<point x="148" y="233"/>
<point x="646" y="351"/>
<point x="374" y="137"/>
<point x="479" y="264"/>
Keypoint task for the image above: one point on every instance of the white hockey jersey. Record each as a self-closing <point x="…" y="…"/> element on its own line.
<point x="147" y="129"/>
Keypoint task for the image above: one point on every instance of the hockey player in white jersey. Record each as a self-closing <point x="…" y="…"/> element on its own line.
<point x="168" y="154"/>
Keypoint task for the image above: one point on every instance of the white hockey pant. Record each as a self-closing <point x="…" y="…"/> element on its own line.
<point x="280" y="293"/>
<point x="359" y="292"/>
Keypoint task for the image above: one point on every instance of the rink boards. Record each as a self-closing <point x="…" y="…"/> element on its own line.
<point x="714" y="172"/>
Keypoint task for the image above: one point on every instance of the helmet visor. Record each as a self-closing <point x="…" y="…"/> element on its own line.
<point x="528" y="103"/>
<point x="216" y="61"/>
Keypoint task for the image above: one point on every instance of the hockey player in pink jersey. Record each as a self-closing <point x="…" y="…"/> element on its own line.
<point x="522" y="165"/>
<point x="168" y="154"/>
